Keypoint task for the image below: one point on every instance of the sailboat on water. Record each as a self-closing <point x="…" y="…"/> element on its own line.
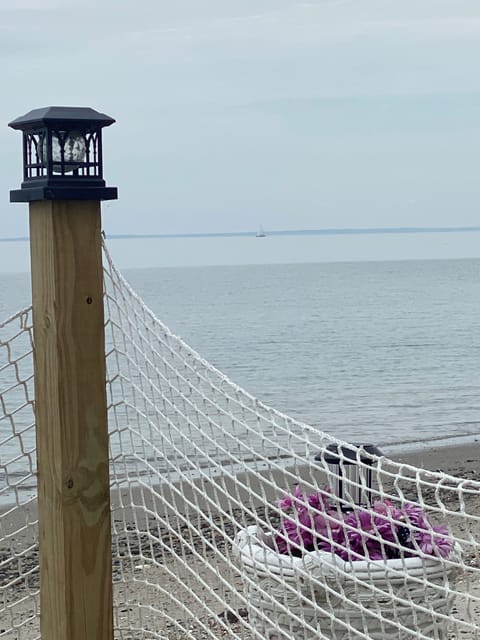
<point x="261" y="232"/>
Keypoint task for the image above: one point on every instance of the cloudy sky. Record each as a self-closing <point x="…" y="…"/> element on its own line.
<point x="295" y="114"/>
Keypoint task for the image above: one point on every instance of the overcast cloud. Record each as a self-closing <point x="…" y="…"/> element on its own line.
<point x="233" y="112"/>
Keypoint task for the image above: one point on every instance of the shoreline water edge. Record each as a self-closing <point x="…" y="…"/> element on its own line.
<point x="461" y="461"/>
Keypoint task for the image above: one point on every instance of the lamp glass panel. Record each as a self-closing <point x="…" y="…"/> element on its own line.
<point x="74" y="150"/>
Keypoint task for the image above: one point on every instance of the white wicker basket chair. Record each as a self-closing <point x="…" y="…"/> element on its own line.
<point x="319" y="595"/>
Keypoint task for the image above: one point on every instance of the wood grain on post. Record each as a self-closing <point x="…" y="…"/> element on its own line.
<point x="71" y="421"/>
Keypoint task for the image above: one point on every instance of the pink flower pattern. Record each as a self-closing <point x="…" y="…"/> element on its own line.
<point x="386" y="531"/>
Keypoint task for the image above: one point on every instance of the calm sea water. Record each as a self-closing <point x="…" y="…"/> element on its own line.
<point x="385" y="352"/>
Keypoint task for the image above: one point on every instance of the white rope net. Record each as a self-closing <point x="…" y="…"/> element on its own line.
<point x="231" y="519"/>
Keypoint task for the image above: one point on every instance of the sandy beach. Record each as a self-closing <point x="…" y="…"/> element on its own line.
<point x="462" y="461"/>
<point x="173" y="572"/>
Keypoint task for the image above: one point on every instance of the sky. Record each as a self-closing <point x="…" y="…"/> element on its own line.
<point x="234" y="113"/>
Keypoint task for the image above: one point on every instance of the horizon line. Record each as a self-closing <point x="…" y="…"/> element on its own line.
<point x="279" y="232"/>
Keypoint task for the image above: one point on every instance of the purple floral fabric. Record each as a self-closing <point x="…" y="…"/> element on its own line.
<point x="384" y="531"/>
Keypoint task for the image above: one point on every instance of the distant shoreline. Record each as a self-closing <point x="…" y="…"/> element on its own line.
<point x="280" y="232"/>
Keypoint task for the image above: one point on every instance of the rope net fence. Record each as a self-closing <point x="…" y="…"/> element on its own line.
<point x="230" y="519"/>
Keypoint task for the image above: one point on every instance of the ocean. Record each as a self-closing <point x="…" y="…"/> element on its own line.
<point x="380" y="352"/>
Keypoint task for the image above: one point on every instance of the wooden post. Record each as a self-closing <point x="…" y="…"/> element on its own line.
<point x="71" y="419"/>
